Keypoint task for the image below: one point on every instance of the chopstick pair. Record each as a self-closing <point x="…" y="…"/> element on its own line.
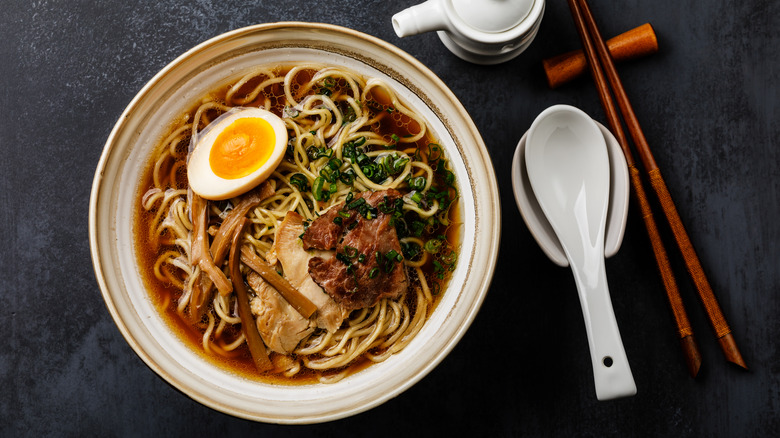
<point x="599" y="60"/>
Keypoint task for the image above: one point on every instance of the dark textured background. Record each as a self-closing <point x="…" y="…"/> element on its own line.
<point x="708" y="104"/>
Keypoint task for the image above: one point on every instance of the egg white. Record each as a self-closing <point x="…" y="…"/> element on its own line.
<point x="206" y="183"/>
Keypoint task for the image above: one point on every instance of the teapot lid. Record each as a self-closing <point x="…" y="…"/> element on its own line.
<point x="492" y="15"/>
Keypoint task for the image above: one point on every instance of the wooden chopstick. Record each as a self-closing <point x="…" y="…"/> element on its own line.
<point x="684" y="329"/>
<point x="590" y="33"/>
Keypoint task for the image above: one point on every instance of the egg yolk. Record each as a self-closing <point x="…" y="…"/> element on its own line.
<point x="241" y="148"/>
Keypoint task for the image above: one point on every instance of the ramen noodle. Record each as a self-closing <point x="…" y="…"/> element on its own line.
<point x="360" y="165"/>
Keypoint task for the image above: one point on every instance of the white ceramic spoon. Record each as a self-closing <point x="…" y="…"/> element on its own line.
<point x="568" y="168"/>
<point x="534" y="218"/>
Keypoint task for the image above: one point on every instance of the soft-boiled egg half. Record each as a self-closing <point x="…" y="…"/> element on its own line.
<point x="238" y="151"/>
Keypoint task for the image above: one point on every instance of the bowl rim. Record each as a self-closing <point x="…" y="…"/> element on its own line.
<point x="100" y="270"/>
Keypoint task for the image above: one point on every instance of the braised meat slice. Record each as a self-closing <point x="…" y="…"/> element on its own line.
<point x="368" y="265"/>
<point x="280" y="326"/>
<point x="295" y="261"/>
<point x="325" y="231"/>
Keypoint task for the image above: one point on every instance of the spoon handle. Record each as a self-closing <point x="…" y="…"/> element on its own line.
<point x="611" y="371"/>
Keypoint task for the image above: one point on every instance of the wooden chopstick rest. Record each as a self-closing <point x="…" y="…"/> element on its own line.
<point x="635" y="43"/>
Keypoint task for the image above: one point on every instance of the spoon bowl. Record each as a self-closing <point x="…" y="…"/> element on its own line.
<point x="537" y="223"/>
<point x="568" y="168"/>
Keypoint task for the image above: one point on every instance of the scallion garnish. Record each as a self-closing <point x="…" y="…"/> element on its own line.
<point x="300" y="181"/>
<point x="350" y="251"/>
<point x="433" y="246"/>
<point x="317" y="188"/>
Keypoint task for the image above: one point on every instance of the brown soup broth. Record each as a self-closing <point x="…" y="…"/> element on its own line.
<point x="165" y="296"/>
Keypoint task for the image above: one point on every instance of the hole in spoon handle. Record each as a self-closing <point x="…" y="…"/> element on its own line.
<point x="611" y="371"/>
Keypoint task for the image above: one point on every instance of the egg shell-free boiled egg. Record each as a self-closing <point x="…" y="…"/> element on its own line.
<point x="238" y="151"/>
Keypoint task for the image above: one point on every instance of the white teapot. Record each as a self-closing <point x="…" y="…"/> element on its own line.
<point x="478" y="31"/>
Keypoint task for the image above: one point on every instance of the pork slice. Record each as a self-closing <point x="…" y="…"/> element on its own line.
<point x="325" y="232"/>
<point x="355" y="284"/>
<point x="279" y="324"/>
<point x="287" y="249"/>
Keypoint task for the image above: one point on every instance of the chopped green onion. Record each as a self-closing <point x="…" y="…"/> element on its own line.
<point x="449" y="177"/>
<point x="317" y="188"/>
<point x="434" y="151"/>
<point x="349" y="116"/>
<point x="417" y="183"/>
<point x="350" y="251"/>
<point x="450" y="259"/>
<point x="356" y="203"/>
<point x="385" y="207"/>
<point x="417" y="228"/>
<point x="433" y="246"/>
<point x="299" y="180"/>
<point x="314" y="152"/>
<point x="410" y="250"/>
<point x="347" y="177"/>
<point x="343" y="259"/>
<point x="399" y="164"/>
<point x="438" y="269"/>
<point x="329" y="175"/>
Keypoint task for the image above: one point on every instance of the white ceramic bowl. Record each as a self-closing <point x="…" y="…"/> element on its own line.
<point x="174" y="90"/>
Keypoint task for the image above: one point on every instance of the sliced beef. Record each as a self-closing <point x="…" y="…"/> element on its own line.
<point x="367" y="266"/>
<point x="326" y="231"/>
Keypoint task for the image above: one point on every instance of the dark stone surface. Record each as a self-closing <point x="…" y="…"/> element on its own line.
<point x="708" y="105"/>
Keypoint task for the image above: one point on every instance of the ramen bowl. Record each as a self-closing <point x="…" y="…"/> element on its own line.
<point x="174" y="90"/>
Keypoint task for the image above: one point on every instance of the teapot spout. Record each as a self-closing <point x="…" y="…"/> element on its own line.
<point x="425" y="17"/>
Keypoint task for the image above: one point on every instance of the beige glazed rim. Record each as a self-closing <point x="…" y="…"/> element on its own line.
<point x="173" y="90"/>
